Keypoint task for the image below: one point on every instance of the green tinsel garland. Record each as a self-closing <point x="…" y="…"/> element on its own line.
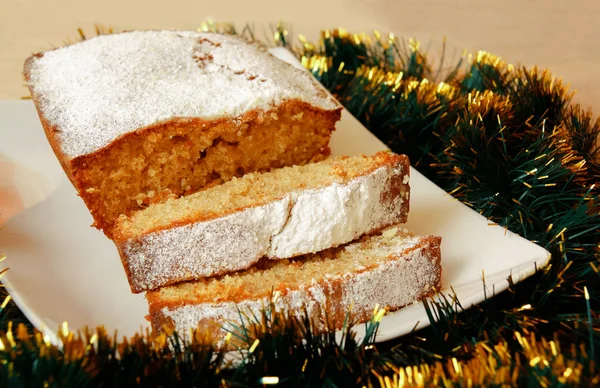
<point x="506" y="141"/>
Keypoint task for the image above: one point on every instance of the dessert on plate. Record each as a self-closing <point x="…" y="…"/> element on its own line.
<point x="206" y="160"/>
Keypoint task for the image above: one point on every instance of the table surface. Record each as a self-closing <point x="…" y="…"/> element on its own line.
<point x="559" y="35"/>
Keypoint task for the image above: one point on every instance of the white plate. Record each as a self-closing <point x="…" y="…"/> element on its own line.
<point x="61" y="269"/>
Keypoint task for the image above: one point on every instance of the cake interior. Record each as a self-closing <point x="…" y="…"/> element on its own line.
<point x="183" y="156"/>
<point x="251" y="190"/>
<point x="280" y="275"/>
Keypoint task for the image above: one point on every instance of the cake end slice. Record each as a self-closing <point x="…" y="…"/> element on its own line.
<point x="390" y="269"/>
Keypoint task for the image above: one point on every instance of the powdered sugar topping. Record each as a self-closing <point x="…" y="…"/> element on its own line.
<point x="203" y="249"/>
<point x="337" y="214"/>
<point x="95" y="91"/>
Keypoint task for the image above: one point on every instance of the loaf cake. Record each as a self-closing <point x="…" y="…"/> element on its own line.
<point x="390" y="269"/>
<point x="141" y="116"/>
<point x="279" y="214"/>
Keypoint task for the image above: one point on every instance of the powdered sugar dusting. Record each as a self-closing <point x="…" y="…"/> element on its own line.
<point x="391" y="284"/>
<point x="337" y="214"/>
<point x="100" y="89"/>
<point x="396" y="284"/>
<point x="304" y="221"/>
<point x="205" y="248"/>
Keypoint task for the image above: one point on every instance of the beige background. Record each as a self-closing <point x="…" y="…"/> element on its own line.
<point x="561" y="35"/>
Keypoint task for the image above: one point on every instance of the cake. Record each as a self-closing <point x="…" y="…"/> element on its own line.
<point x="138" y="117"/>
<point x="390" y="269"/>
<point x="280" y="214"/>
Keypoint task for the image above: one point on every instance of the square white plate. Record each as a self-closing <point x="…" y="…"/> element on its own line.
<point x="61" y="269"/>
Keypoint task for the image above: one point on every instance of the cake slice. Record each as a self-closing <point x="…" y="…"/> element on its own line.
<point x="391" y="269"/>
<point x="280" y="214"/>
<point x="141" y="116"/>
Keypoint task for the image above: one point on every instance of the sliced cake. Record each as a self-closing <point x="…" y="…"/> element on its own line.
<point x="391" y="269"/>
<point x="141" y="116"/>
<point x="280" y="214"/>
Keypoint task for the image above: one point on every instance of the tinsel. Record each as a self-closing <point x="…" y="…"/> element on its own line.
<point x="506" y="140"/>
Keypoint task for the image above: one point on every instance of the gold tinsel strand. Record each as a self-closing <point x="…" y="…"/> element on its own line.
<point x="490" y="364"/>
